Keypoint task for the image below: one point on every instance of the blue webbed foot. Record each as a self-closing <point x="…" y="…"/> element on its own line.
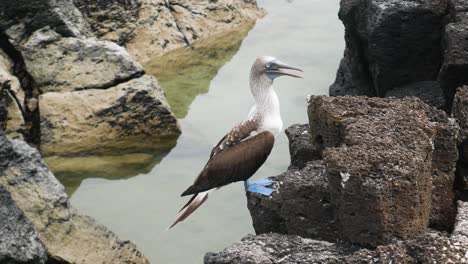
<point x="259" y="187"/>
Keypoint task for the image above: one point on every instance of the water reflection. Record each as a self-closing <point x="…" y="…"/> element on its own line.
<point x="72" y="170"/>
<point x="185" y="73"/>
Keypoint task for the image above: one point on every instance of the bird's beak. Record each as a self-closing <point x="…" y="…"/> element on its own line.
<point x="282" y="66"/>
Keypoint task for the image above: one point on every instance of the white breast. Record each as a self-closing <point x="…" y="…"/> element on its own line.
<point x="268" y="113"/>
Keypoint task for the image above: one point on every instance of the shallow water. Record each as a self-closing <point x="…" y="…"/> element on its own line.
<point x="303" y="33"/>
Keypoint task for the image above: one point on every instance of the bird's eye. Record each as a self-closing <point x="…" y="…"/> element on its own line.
<point x="268" y="65"/>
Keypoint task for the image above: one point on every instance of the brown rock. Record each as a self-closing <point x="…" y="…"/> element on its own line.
<point x="378" y="165"/>
<point x="301" y="147"/>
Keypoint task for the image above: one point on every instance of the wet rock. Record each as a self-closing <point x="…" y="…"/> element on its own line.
<point x="165" y="25"/>
<point x="300" y="205"/>
<point x="378" y="165"/>
<point x="111" y="20"/>
<point x="301" y="147"/>
<point x="389" y="44"/>
<point x="20" y="18"/>
<point x="455" y="64"/>
<point x="429" y="92"/>
<point x="131" y="115"/>
<point x="19" y="242"/>
<point x="68" y="236"/>
<point x="69" y="64"/>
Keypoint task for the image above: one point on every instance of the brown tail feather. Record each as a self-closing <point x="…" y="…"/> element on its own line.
<point x="192" y="205"/>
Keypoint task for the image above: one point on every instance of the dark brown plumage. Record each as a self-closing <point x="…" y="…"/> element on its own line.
<point x="238" y="162"/>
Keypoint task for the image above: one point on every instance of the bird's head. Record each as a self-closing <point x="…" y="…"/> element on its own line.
<point x="271" y="68"/>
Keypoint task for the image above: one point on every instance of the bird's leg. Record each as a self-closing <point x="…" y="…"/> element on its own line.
<point x="259" y="187"/>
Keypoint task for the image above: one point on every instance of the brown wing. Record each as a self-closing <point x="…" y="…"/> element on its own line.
<point x="236" y="163"/>
<point x="238" y="133"/>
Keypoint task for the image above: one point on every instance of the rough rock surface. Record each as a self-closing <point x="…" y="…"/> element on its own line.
<point x="389" y="44"/>
<point x="301" y="147"/>
<point x="429" y="92"/>
<point x="19" y="242"/>
<point x="431" y="247"/>
<point x="165" y="25"/>
<point x="300" y="205"/>
<point x="67" y="235"/>
<point x="68" y="64"/>
<point x="455" y="65"/>
<point x="458" y="10"/>
<point x="20" y="18"/>
<point x="460" y="113"/>
<point x="109" y="19"/>
<point x="129" y="115"/>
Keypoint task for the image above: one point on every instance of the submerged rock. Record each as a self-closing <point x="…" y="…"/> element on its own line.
<point x="68" y="236"/>
<point x="19" y="242"/>
<point x="131" y="115"/>
<point x="68" y="64"/>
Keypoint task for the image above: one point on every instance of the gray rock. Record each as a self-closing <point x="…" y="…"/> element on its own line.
<point x="429" y="92"/>
<point x="19" y="242"/>
<point x="378" y="164"/>
<point x="458" y="10"/>
<point x="455" y="64"/>
<point x="389" y="44"/>
<point x="69" y="64"/>
<point x="68" y="236"/>
<point x="300" y="205"/>
<point x="301" y="147"/>
<point x="20" y="18"/>
<point x="274" y="248"/>
<point x="460" y="113"/>
<point x="432" y="247"/>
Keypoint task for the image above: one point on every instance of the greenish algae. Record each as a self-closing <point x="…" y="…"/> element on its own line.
<point x="72" y="170"/>
<point x="185" y="73"/>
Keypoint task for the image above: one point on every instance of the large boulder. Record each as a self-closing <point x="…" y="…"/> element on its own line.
<point x="19" y="242"/>
<point x="131" y="115"/>
<point x="166" y="25"/>
<point x="20" y="18"/>
<point x="389" y="44"/>
<point x="300" y="205"/>
<point x="68" y="236"/>
<point x="67" y="64"/>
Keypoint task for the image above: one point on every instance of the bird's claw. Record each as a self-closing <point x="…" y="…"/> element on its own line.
<point x="259" y="187"/>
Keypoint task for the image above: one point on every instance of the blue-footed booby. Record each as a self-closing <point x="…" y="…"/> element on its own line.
<point x="242" y="151"/>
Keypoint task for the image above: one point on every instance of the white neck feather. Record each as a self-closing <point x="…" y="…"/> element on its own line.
<point x="267" y="107"/>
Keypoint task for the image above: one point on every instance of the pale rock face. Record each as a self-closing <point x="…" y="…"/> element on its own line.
<point x="163" y="26"/>
<point x="67" y="235"/>
<point x="129" y="115"/>
<point x="69" y="64"/>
